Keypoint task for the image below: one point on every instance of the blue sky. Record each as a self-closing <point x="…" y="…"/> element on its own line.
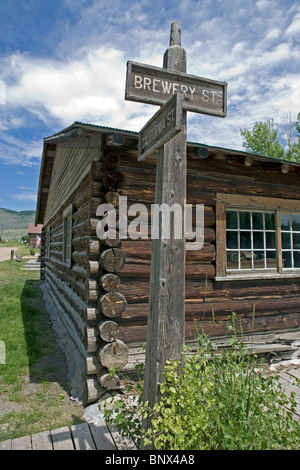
<point x="65" y="60"/>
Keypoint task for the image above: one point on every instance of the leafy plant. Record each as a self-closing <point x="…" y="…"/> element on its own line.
<point x="124" y="412"/>
<point x="220" y="399"/>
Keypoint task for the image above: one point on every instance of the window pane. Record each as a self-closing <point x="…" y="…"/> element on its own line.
<point x="232" y="260"/>
<point x="258" y="240"/>
<point x="245" y="240"/>
<point x="270" y="240"/>
<point x="269" y="222"/>
<point x="285" y="221"/>
<point x="287" y="259"/>
<point x="245" y="221"/>
<point x="246" y="260"/>
<point x="258" y="223"/>
<point x="258" y="258"/>
<point x="296" y="241"/>
<point x="296" y="259"/>
<point x="296" y="222"/>
<point x="232" y="240"/>
<point x="232" y="219"/>
<point x="271" y="259"/>
<point x="286" y="240"/>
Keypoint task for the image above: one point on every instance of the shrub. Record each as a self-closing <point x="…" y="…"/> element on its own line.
<point x="217" y="400"/>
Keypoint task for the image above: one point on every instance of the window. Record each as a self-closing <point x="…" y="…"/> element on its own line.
<point x="67" y="226"/>
<point x="250" y="240"/>
<point x="290" y="240"/>
<point x="257" y="236"/>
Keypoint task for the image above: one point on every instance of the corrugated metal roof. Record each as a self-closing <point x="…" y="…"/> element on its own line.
<point x="194" y="144"/>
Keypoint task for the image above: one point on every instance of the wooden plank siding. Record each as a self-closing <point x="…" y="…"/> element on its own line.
<point x="70" y="167"/>
<point x="86" y="177"/>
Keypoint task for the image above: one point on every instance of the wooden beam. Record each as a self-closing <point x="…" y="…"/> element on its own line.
<point x="248" y="161"/>
<point x="165" y="329"/>
<point x="114" y="140"/>
<point x="285" y="168"/>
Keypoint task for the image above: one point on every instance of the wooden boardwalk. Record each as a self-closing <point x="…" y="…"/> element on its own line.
<point x="90" y="436"/>
<point x="83" y="436"/>
<point x="287" y="378"/>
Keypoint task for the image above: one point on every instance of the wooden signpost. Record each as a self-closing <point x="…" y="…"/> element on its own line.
<point x="154" y="85"/>
<point x="164" y="125"/>
<point x="165" y="328"/>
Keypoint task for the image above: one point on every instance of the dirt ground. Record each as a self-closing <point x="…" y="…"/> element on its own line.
<point x="5" y="252"/>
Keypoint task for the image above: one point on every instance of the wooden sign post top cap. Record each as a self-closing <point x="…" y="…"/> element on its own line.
<point x="175" y="36"/>
<point x="175" y="56"/>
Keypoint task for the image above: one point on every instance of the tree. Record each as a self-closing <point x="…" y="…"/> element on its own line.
<point x="263" y="140"/>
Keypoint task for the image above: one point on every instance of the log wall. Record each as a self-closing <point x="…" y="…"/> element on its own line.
<point x="274" y="303"/>
<point x="84" y="294"/>
<point x="103" y="297"/>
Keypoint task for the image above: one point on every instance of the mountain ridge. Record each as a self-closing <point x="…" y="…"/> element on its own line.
<point x="10" y="219"/>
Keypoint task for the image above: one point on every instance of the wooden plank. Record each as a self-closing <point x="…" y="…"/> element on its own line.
<point x="22" y="443"/>
<point x="221" y="239"/>
<point x="154" y="85"/>
<point x="70" y="168"/>
<point x="120" y="442"/>
<point x="294" y="373"/>
<point x="5" y="445"/>
<point x="161" y="127"/>
<point x="62" y="439"/>
<point x="102" y="436"/>
<point x="289" y="386"/>
<point x="166" y="326"/>
<point x="82" y="436"/>
<point x="42" y="441"/>
<point x="261" y="202"/>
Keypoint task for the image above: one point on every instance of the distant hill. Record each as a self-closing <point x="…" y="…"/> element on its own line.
<point x="14" y="224"/>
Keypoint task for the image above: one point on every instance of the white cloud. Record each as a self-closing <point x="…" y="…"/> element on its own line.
<point x="294" y="28"/>
<point x="273" y="33"/>
<point x="264" y="4"/>
<point x="14" y="151"/>
<point x="25" y="196"/>
<point x="251" y="48"/>
<point x="89" y="90"/>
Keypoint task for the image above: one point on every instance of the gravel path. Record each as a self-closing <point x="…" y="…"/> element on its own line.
<point x="5" y="252"/>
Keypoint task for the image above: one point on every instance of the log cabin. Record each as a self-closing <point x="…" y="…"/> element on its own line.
<point x="96" y="291"/>
<point x="34" y="233"/>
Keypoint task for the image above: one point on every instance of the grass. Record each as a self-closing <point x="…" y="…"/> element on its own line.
<point x="33" y="397"/>
<point x="17" y="289"/>
<point x="8" y="243"/>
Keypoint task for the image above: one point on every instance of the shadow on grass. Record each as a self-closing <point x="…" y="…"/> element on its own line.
<point x="46" y="360"/>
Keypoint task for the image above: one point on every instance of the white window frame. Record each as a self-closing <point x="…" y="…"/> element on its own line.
<point x="276" y="206"/>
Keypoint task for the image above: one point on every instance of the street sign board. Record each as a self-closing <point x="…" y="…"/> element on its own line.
<point x="154" y="85"/>
<point x="166" y="123"/>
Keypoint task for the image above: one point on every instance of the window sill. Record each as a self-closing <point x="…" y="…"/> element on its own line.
<point x="250" y="277"/>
